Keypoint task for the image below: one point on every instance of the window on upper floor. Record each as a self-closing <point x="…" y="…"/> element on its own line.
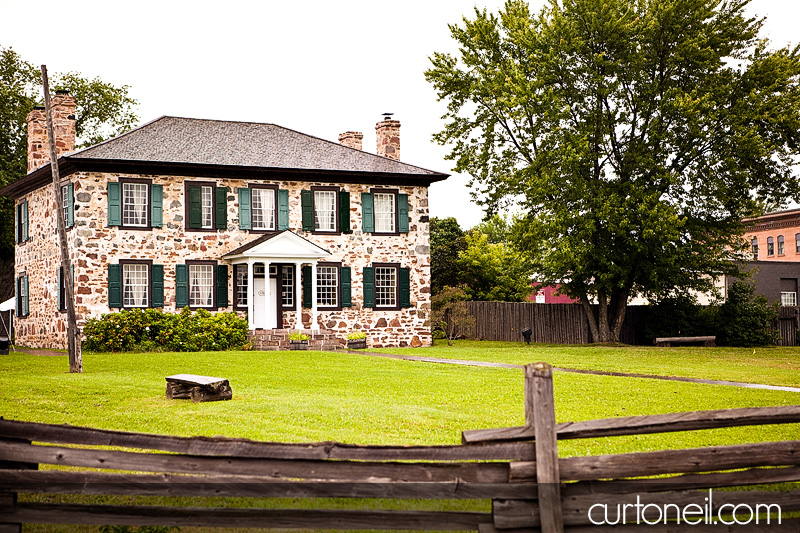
<point x="21" y="224"/>
<point x="326" y="210"/>
<point x="797" y="243"/>
<point x="754" y="245"/>
<point x="135" y="203"/>
<point x="780" y="245"/>
<point x="263" y="208"/>
<point x="384" y="211"/>
<point x="68" y="204"/>
<point x="770" y="246"/>
<point x="206" y="206"/>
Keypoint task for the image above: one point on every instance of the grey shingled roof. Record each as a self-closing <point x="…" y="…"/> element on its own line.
<point x="216" y="142"/>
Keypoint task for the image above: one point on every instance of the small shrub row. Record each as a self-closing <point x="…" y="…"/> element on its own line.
<point x="150" y="330"/>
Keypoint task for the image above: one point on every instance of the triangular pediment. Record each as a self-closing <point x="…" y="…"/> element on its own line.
<point x="285" y="245"/>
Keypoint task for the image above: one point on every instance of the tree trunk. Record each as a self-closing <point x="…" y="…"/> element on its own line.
<point x="591" y="318"/>
<point x="606" y="324"/>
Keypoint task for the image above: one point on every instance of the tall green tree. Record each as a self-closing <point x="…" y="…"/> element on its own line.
<point x="447" y="240"/>
<point x="634" y="134"/>
<point x="103" y="111"/>
<point x="493" y="271"/>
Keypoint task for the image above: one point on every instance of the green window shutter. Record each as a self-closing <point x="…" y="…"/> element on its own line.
<point x="222" y="286"/>
<point x="344" y="212"/>
<point x="367" y="214"/>
<point x="307" y="203"/>
<point x="283" y="209"/>
<point x="402" y="213"/>
<point x="244" y="208"/>
<point x="195" y="200"/>
<point x="369" y="286"/>
<point x="405" y="287"/>
<point x="25" y="223"/>
<point x="70" y="205"/>
<point x="26" y="299"/>
<point x="221" y="207"/>
<point x="16" y="224"/>
<point x="346" y="287"/>
<point x="114" y="286"/>
<point x="19" y="296"/>
<point x="307" y="286"/>
<point x="157" y="283"/>
<point x="181" y="286"/>
<point x="156" y="206"/>
<point x="114" y="204"/>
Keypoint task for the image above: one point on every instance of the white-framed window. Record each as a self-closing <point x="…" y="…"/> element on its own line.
<point x="201" y="285"/>
<point x="788" y="298"/>
<point x="797" y="243"/>
<point x="134" y="204"/>
<point x="327" y="286"/>
<point x="241" y="286"/>
<point x="385" y="286"/>
<point x="207" y="203"/>
<point x="135" y="285"/>
<point x="770" y="246"/>
<point x="262" y="203"/>
<point x="325" y="210"/>
<point x="65" y="203"/>
<point x="754" y="244"/>
<point x="384" y="211"/>
<point x="287" y="286"/>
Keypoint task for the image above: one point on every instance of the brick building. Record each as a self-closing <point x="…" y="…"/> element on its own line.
<point x="288" y="230"/>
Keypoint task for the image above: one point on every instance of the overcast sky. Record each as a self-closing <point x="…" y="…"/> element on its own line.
<point x="318" y="67"/>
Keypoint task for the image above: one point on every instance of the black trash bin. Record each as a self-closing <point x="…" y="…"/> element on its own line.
<point x="3" y="345"/>
<point x="526" y="334"/>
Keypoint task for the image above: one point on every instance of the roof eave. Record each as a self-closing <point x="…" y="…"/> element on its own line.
<point x="68" y="165"/>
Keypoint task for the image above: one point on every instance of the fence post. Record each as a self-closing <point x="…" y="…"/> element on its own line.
<point x="8" y="500"/>
<point x="540" y="407"/>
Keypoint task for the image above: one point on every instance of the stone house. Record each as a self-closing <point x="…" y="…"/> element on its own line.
<point x="288" y="230"/>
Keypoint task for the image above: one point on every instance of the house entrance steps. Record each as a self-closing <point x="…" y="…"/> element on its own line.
<point x="278" y="339"/>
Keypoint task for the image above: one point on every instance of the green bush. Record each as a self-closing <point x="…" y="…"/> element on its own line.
<point x="152" y="330"/>
<point x="744" y="319"/>
<point x="676" y="316"/>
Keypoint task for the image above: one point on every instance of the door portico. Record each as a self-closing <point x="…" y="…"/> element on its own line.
<point x="263" y="296"/>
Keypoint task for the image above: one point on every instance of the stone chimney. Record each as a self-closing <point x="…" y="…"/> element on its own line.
<point x="351" y="139"/>
<point x="63" y="125"/>
<point x="387" y="132"/>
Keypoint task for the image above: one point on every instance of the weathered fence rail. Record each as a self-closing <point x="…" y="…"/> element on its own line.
<point x="567" y="324"/>
<point x="518" y="469"/>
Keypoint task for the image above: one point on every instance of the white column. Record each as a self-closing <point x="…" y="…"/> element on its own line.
<point x="298" y="296"/>
<point x="250" y="296"/>
<point x="267" y="296"/>
<point x="314" y="325"/>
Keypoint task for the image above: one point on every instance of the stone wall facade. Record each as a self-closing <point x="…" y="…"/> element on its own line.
<point x="94" y="245"/>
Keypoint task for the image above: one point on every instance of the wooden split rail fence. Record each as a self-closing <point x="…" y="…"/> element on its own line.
<point x="531" y="488"/>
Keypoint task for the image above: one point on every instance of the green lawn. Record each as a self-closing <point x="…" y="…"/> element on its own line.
<point x="770" y="365"/>
<point x="317" y="396"/>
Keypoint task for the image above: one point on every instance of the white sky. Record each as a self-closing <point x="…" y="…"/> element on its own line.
<point x="320" y="67"/>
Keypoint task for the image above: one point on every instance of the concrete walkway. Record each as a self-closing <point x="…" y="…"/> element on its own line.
<point x="575" y="371"/>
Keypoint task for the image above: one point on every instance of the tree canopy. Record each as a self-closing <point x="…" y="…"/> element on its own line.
<point x="103" y="111"/>
<point x="634" y="136"/>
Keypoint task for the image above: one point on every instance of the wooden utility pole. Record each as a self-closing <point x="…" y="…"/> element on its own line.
<point x="73" y="336"/>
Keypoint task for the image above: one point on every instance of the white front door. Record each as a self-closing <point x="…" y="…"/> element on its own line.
<point x="265" y="315"/>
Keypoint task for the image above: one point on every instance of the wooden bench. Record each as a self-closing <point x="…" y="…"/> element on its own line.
<point x="198" y="388"/>
<point x="669" y="341"/>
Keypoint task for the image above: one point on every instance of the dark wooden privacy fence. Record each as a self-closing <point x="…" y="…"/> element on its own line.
<point x="567" y="324"/>
<point x="549" y="323"/>
<point x="518" y="469"/>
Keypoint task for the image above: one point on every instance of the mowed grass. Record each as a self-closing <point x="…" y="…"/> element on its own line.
<point x="769" y="365"/>
<point x="323" y="396"/>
